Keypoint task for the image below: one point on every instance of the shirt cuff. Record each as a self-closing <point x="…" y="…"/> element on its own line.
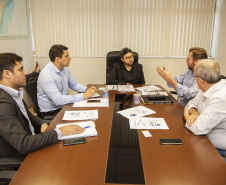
<point x="79" y="97"/>
<point x="59" y="134"/>
<point x="191" y="106"/>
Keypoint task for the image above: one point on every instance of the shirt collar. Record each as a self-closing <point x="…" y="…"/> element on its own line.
<point x="211" y="89"/>
<point x="53" y="67"/>
<point x="13" y="92"/>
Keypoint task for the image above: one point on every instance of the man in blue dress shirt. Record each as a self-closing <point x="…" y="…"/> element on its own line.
<point x="54" y="80"/>
<point x="185" y="84"/>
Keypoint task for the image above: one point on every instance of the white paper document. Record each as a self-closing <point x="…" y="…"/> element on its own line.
<point x="89" y="132"/>
<point x="126" y="88"/>
<point x="112" y="87"/>
<point x="101" y="88"/>
<point x="146" y="133"/>
<point x="147" y="123"/>
<point x="81" y="115"/>
<point x="148" y="88"/>
<point x="104" y="102"/>
<point x="134" y="112"/>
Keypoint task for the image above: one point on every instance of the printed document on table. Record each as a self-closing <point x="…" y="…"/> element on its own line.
<point x="134" y="112"/>
<point x="112" y="87"/>
<point x="148" y="88"/>
<point x="104" y="102"/>
<point x="81" y="115"/>
<point x="89" y="132"/>
<point x="147" y="123"/>
<point x="126" y="88"/>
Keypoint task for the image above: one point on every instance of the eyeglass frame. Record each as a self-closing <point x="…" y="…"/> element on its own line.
<point x="130" y="57"/>
<point x="199" y="77"/>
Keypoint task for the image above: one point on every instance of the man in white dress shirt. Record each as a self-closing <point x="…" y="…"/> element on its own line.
<point x="206" y="113"/>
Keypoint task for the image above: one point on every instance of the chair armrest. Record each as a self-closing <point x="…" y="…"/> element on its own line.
<point x="11" y="162"/>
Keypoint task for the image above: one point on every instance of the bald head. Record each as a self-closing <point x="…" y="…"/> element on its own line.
<point x="208" y="70"/>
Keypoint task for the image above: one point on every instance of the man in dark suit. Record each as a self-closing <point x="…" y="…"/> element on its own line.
<point x="20" y="131"/>
<point x="126" y="72"/>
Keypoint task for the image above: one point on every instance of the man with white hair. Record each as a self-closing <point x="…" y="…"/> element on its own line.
<point x="206" y="113"/>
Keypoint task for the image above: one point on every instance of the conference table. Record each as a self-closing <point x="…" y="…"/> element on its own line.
<point x="194" y="162"/>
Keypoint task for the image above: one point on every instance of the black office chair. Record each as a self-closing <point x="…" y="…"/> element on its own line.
<point x="113" y="57"/>
<point x="8" y="168"/>
<point x="31" y="90"/>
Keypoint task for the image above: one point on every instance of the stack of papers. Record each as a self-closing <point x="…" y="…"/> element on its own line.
<point x="134" y="112"/>
<point x="81" y="115"/>
<point x="112" y="87"/>
<point x="126" y="88"/>
<point x="148" y="88"/>
<point x="123" y="88"/>
<point x="104" y="102"/>
<point x="89" y="132"/>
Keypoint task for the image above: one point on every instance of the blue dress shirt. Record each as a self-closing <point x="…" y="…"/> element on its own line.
<point x="53" y="86"/>
<point x="187" y="87"/>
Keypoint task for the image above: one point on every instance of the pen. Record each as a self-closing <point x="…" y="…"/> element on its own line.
<point x="87" y="127"/>
<point x="132" y="114"/>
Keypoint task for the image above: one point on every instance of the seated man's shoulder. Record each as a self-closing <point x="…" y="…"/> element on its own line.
<point x="137" y="65"/>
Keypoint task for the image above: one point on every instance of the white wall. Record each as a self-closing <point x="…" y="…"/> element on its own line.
<point x="219" y="36"/>
<point x="22" y="47"/>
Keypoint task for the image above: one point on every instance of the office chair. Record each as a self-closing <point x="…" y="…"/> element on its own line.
<point x="113" y="57"/>
<point x="8" y="168"/>
<point x="31" y="90"/>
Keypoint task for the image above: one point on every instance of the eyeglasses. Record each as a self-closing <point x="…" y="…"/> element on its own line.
<point x="130" y="57"/>
<point x="199" y="77"/>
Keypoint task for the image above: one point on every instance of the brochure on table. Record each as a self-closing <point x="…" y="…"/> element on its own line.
<point x="81" y="115"/>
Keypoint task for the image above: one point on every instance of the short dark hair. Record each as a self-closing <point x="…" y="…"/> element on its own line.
<point x="198" y="53"/>
<point x="124" y="51"/>
<point x="8" y="62"/>
<point x="56" y="50"/>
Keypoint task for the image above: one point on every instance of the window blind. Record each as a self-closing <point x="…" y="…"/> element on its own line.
<point x="92" y="28"/>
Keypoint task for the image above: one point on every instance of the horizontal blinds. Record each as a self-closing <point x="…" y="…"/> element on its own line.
<point x="95" y="27"/>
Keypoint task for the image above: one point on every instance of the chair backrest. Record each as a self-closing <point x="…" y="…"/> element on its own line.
<point x="113" y="57"/>
<point x="31" y="90"/>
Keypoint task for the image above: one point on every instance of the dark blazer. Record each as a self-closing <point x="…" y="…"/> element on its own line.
<point x="118" y="74"/>
<point x="15" y="135"/>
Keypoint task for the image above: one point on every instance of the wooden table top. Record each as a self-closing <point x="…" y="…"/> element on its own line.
<point x="194" y="162"/>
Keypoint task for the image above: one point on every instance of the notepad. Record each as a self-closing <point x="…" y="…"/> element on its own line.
<point x="89" y="131"/>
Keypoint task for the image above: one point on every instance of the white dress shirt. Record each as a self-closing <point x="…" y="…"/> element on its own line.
<point x="212" y="119"/>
